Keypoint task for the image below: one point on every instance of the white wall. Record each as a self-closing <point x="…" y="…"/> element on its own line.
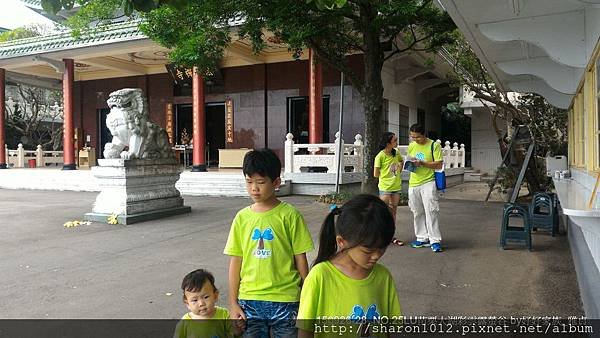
<point x="485" y="152"/>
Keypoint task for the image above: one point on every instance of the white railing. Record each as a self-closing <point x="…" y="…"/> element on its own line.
<point x="19" y="157"/>
<point x="323" y="155"/>
<point x="454" y="157"/>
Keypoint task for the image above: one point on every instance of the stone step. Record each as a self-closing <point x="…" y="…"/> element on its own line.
<point x="214" y="184"/>
<point x="472" y="176"/>
<point x="194" y="184"/>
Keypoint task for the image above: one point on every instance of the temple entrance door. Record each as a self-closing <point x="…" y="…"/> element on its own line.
<point x="297" y="119"/>
<point x="184" y="130"/>
<point x="215" y="131"/>
<point x="104" y="135"/>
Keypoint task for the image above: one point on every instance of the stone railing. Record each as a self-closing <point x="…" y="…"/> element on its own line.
<point x="323" y="155"/>
<point x="18" y="158"/>
<point x="454" y="157"/>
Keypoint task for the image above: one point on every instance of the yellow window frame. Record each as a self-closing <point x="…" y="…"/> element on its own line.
<point x="595" y="125"/>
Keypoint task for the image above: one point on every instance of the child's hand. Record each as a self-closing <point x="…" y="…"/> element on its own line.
<point x="238" y="316"/>
<point x="239" y="326"/>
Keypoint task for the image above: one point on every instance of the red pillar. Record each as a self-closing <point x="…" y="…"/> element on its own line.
<point x="315" y="100"/>
<point x="2" y="114"/>
<point x="68" y="145"/>
<point x="199" y="122"/>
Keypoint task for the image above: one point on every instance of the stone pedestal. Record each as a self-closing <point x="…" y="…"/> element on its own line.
<point x="137" y="190"/>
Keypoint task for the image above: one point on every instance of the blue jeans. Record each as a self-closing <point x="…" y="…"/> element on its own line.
<point x="279" y="317"/>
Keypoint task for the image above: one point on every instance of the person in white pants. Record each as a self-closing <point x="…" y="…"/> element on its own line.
<point x="426" y="156"/>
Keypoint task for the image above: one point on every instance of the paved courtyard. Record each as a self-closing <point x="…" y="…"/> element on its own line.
<point x="135" y="271"/>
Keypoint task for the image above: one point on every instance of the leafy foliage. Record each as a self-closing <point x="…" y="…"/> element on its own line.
<point x="24" y="32"/>
<point x="456" y="126"/>
<point x="547" y="124"/>
<point x="334" y="198"/>
<point x="33" y="119"/>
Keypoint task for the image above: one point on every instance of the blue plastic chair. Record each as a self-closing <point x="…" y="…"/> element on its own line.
<point x="515" y="233"/>
<point x="542" y="213"/>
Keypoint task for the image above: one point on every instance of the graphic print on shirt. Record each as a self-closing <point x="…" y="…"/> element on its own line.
<point x="358" y="313"/>
<point x="266" y="235"/>
<point x="394" y="169"/>
<point x="420" y="156"/>
<point x="365" y="319"/>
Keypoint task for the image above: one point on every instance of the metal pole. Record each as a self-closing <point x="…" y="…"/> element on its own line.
<point x="340" y="147"/>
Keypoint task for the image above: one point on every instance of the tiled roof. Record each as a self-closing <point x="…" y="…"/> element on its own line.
<point x="34" y="3"/>
<point x="125" y="31"/>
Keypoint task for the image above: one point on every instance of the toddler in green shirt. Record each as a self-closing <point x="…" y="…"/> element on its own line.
<point x="205" y="318"/>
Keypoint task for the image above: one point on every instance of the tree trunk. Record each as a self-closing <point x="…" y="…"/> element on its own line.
<point x="373" y="106"/>
<point x="372" y="97"/>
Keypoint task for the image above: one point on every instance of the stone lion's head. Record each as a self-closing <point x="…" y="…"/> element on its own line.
<point x="129" y="100"/>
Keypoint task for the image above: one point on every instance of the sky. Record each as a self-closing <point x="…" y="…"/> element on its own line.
<point x="14" y="14"/>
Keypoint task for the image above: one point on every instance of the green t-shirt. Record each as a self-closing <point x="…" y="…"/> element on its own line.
<point x="390" y="171"/>
<point x="330" y="295"/>
<point x="219" y="326"/>
<point x="267" y="242"/>
<point x="423" y="153"/>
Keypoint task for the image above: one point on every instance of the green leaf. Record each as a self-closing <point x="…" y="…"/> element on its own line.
<point x="128" y="7"/>
<point x="68" y="4"/>
<point x="51" y="6"/>
<point x="144" y="5"/>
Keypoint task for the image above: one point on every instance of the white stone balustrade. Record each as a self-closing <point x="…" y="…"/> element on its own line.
<point x="454" y="157"/>
<point x="323" y="155"/>
<point x="19" y="157"/>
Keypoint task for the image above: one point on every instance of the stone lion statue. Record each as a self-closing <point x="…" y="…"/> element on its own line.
<point x="131" y="128"/>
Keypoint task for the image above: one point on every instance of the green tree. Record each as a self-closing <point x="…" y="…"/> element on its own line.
<point x="24" y="32"/>
<point x="198" y="31"/>
<point x="546" y="123"/>
<point x="456" y="126"/>
<point x="32" y="117"/>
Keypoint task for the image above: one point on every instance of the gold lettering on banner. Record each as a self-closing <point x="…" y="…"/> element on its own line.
<point x="169" y="124"/>
<point x="229" y="120"/>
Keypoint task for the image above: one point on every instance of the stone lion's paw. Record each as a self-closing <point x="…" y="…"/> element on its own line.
<point x="125" y="155"/>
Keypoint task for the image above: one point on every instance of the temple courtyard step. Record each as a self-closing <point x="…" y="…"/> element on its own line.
<point x="212" y="183"/>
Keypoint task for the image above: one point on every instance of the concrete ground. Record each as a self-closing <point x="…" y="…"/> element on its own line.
<point x="135" y="271"/>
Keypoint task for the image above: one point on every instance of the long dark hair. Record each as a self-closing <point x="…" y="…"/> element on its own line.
<point x="385" y="139"/>
<point x="364" y="220"/>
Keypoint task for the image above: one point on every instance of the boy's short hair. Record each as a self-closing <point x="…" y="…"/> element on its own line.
<point x="263" y="162"/>
<point x="418" y="128"/>
<point x="194" y="281"/>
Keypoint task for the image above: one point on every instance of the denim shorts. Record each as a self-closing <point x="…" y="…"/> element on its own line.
<point x="279" y="317"/>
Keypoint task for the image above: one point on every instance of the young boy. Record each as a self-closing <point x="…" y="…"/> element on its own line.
<point x="200" y="296"/>
<point x="267" y="243"/>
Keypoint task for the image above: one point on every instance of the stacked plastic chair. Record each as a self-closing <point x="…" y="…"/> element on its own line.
<point x="515" y="233"/>
<point x="543" y="212"/>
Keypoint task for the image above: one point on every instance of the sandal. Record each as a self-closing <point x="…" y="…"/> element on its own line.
<point x="397" y="242"/>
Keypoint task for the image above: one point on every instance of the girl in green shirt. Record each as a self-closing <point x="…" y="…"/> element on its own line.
<point x="388" y="169"/>
<point x="347" y="288"/>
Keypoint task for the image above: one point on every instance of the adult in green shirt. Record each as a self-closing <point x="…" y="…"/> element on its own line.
<point x="388" y="169"/>
<point x="422" y="192"/>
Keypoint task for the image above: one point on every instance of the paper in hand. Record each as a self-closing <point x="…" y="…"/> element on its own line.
<point x="409" y="165"/>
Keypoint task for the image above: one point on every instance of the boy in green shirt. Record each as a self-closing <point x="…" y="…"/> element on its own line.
<point x="267" y="243"/>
